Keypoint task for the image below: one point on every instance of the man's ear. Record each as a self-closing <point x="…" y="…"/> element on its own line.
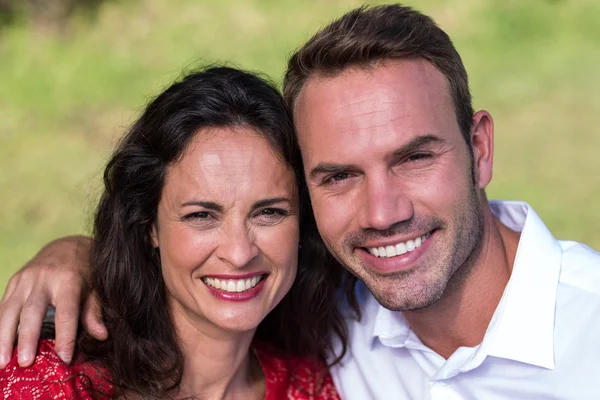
<point x="154" y="236"/>
<point x="482" y="141"/>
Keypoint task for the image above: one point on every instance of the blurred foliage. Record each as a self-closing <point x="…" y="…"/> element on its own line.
<point x="64" y="99"/>
<point x="45" y="14"/>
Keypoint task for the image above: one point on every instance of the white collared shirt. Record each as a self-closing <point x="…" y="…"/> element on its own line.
<point x="543" y="341"/>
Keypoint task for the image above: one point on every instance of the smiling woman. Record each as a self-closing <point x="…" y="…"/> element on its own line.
<point x="195" y="256"/>
<point x="228" y="214"/>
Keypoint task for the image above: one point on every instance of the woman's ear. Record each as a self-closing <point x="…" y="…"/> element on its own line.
<point x="154" y="236"/>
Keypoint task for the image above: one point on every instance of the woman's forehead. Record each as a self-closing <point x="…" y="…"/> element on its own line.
<point x="229" y="163"/>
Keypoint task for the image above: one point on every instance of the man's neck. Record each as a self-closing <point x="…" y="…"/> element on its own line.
<point x="461" y="317"/>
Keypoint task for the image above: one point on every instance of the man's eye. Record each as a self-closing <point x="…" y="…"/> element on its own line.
<point x="341" y="176"/>
<point x="418" y="157"/>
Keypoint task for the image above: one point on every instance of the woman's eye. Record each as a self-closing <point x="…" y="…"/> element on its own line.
<point x="272" y="215"/>
<point x="273" y="211"/>
<point x="197" y="215"/>
<point x="268" y="211"/>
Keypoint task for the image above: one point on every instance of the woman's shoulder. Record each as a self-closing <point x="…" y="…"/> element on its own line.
<point x="299" y="378"/>
<point x="50" y="378"/>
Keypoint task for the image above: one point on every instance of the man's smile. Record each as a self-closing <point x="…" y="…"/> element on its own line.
<point x="399" y="248"/>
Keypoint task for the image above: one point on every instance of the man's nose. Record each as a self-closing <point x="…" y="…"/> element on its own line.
<point x="384" y="203"/>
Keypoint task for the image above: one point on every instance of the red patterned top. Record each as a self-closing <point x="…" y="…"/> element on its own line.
<point x="50" y="378"/>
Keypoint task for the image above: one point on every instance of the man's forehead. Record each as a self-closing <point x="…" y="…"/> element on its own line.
<point x="373" y="112"/>
<point x="375" y="99"/>
<point x="406" y="72"/>
<point x="395" y="83"/>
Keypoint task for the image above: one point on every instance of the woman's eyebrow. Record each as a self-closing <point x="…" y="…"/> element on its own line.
<point x="205" y="204"/>
<point x="270" y="202"/>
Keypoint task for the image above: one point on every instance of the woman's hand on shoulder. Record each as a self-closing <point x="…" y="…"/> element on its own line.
<point x="58" y="276"/>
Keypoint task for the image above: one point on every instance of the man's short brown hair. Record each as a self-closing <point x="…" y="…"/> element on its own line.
<point x="370" y="34"/>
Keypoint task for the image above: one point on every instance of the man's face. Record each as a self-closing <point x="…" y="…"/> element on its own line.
<point x="391" y="178"/>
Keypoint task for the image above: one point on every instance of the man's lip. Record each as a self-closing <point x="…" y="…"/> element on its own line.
<point x="238" y="277"/>
<point x="390" y="265"/>
<point x="393" y="241"/>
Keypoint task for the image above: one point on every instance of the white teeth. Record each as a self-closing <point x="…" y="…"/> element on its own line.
<point x="398" y="249"/>
<point x="241" y="286"/>
<point x="232" y="285"/>
<point x="374" y="251"/>
<point x="390" y="251"/>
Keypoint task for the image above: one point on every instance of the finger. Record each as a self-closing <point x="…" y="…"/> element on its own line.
<point x="10" y="288"/>
<point x="66" y="320"/>
<point x="32" y="317"/>
<point x="92" y="318"/>
<point x="9" y="320"/>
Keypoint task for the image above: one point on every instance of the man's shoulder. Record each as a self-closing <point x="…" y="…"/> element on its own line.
<point x="576" y="325"/>
<point x="580" y="267"/>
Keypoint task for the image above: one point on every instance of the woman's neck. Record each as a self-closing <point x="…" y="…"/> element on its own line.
<point x="218" y="364"/>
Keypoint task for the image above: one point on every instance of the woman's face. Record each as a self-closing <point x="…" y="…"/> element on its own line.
<point x="227" y="231"/>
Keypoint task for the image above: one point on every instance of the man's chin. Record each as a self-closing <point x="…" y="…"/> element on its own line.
<point x="398" y="297"/>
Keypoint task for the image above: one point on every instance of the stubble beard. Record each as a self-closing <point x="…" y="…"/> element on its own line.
<point x="426" y="283"/>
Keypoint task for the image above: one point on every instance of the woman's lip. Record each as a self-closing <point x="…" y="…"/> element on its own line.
<point x="243" y="276"/>
<point x="238" y="296"/>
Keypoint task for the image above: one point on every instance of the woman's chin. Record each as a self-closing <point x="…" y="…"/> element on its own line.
<point x="238" y="326"/>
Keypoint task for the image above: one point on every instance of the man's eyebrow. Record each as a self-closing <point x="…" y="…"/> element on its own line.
<point x="418" y="142"/>
<point x="332" y="168"/>
<point x="270" y="202"/>
<point x="329" y="168"/>
<point x="205" y="204"/>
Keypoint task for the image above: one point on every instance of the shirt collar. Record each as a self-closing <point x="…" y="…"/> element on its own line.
<point x="522" y="327"/>
<point x="390" y="327"/>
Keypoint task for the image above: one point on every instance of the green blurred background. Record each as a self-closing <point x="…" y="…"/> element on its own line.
<point x="70" y="85"/>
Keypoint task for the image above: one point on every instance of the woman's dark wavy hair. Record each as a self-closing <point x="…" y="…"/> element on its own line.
<point x="142" y="352"/>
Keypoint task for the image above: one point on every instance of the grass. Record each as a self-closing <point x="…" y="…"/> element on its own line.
<point x="65" y="98"/>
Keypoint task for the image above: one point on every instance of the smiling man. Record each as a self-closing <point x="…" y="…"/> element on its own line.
<point x="453" y="297"/>
<point x="459" y="298"/>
